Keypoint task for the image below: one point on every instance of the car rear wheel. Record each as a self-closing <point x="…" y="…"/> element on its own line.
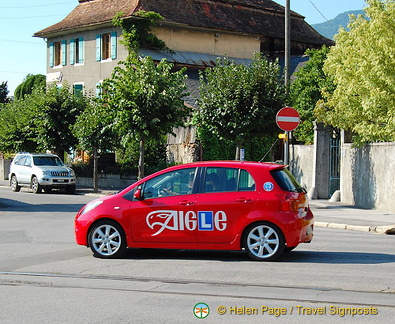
<point x="107" y="239"/>
<point x="264" y="241"/>
<point x="14" y="184"/>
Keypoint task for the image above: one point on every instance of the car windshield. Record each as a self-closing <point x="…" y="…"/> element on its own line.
<point x="47" y="160"/>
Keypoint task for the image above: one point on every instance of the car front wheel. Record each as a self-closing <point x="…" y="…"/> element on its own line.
<point x="107" y="239"/>
<point x="14" y="184"/>
<point x="36" y="187"/>
<point x="264" y="241"/>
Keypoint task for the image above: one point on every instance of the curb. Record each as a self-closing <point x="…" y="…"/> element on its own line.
<point x="388" y="229"/>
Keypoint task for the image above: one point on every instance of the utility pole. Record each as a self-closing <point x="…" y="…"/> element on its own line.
<point x="287" y="67"/>
<point x="287" y="54"/>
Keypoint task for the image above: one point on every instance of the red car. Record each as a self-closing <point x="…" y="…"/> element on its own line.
<point x="251" y="206"/>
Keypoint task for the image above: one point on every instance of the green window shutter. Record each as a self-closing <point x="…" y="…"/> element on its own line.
<point x="98" y="48"/>
<point x="51" y="55"/>
<point x="64" y="58"/>
<point x="82" y="48"/>
<point x="113" y="45"/>
<point x="72" y="51"/>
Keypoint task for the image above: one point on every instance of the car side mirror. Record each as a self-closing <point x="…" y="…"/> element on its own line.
<point x="137" y="194"/>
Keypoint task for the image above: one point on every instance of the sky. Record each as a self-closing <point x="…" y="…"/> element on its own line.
<point x="22" y="54"/>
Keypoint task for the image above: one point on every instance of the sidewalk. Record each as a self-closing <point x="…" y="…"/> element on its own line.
<point x="342" y="216"/>
<point x="326" y="214"/>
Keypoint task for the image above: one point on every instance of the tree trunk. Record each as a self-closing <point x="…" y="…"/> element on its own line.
<point x="95" y="170"/>
<point x="141" y="158"/>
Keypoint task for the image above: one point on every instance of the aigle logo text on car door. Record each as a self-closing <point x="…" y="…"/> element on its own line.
<point x="179" y="220"/>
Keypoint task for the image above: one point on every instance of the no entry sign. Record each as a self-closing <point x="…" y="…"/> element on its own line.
<point x="287" y="119"/>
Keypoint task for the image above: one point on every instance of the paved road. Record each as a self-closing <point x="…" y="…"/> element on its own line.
<point x="46" y="277"/>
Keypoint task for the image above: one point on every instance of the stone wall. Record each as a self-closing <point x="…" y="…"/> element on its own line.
<point x="367" y="178"/>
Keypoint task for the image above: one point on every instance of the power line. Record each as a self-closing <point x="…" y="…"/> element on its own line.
<point x="318" y="10"/>
<point x="35" y="6"/>
<point x="16" y="41"/>
<point x="13" y="18"/>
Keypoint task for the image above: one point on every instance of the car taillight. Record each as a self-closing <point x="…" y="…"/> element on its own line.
<point x="295" y="203"/>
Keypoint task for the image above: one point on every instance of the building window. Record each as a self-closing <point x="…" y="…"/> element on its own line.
<point x="106" y="46"/>
<point x="77" y="51"/>
<point x="57" y="53"/>
<point x="78" y="89"/>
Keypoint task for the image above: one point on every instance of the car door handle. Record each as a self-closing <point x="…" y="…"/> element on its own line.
<point x="244" y="200"/>
<point x="186" y="203"/>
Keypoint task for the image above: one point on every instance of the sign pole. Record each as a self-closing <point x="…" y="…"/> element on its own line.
<point x="286" y="147"/>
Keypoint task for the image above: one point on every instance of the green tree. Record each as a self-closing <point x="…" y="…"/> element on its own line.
<point x="362" y="67"/>
<point x="4" y="92"/>
<point x="93" y="132"/>
<point x="306" y="91"/>
<point x="16" y="127"/>
<point x="145" y="99"/>
<point x="31" y="82"/>
<point x="239" y="102"/>
<point x="56" y="112"/>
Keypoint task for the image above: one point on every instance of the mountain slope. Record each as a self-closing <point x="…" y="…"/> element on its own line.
<point x="330" y="28"/>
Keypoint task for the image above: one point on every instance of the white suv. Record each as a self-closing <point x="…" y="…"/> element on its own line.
<point x="40" y="171"/>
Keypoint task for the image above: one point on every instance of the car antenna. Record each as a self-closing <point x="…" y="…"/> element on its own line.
<point x="261" y="160"/>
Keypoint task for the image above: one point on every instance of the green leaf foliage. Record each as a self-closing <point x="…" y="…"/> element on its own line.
<point x="3" y="92"/>
<point x="145" y="99"/>
<point x="362" y="67"/>
<point x="17" y="131"/>
<point x="238" y="103"/>
<point x="136" y="31"/>
<point x="306" y="92"/>
<point x="92" y="127"/>
<point x="31" y="82"/>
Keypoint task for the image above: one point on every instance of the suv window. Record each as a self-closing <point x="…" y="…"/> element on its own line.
<point x="286" y="181"/>
<point x="28" y="161"/>
<point x="47" y="160"/>
<point x="20" y="160"/>
<point x="219" y="179"/>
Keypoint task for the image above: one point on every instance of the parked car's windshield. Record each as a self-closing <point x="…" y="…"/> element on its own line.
<point x="47" y="160"/>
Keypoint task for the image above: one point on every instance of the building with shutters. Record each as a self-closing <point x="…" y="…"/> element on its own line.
<point x="84" y="47"/>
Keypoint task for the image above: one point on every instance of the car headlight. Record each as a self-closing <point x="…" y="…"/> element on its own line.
<point x="72" y="173"/>
<point x="46" y="173"/>
<point x="90" y="206"/>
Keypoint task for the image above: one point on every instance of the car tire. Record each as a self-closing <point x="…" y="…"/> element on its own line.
<point x="36" y="187"/>
<point x="107" y="240"/>
<point x="14" y="184"/>
<point x="47" y="190"/>
<point x="263" y="241"/>
<point x="70" y="189"/>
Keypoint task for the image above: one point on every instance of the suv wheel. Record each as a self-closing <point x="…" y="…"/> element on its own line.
<point x="14" y="184"/>
<point x="70" y="189"/>
<point x="36" y="187"/>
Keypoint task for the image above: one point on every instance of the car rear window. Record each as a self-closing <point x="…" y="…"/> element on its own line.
<point x="286" y="180"/>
